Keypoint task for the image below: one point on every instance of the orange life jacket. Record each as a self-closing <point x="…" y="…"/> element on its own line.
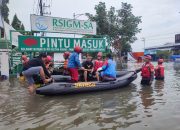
<point x="146" y="70"/>
<point x="159" y="71"/>
<point x="65" y="64"/>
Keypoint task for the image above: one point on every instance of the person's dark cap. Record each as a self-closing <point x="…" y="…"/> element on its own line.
<point x="42" y="55"/>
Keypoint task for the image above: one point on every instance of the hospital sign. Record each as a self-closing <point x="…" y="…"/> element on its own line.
<point x="62" y="25"/>
<point x="59" y="44"/>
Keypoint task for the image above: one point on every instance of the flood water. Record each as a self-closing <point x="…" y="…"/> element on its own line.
<point x="135" y="107"/>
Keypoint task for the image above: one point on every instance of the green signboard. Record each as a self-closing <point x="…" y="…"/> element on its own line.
<point x="16" y="59"/>
<point x="58" y="44"/>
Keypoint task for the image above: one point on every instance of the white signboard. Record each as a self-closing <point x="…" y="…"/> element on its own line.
<point x="58" y="59"/>
<point x="62" y="25"/>
<point x="14" y="35"/>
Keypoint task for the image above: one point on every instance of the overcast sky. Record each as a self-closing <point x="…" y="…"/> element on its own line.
<point x="160" y="18"/>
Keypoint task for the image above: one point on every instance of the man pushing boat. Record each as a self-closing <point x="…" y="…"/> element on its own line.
<point x="33" y="67"/>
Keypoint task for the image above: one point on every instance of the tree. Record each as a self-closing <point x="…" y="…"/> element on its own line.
<point x="100" y="18"/>
<point x="165" y="54"/>
<point x="128" y="26"/>
<point x="17" y="24"/>
<point x="121" y="25"/>
<point x="22" y="27"/>
<point x="5" y="10"/>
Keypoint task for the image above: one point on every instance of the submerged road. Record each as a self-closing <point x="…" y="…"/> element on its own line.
<point x="135" y="107"/>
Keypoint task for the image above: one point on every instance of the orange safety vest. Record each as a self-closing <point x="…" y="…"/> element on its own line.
<point x="146" y="70"/>
<point x="98" y="64"/>
<point x="65" y="64"/>
<point x="159" y="71"/>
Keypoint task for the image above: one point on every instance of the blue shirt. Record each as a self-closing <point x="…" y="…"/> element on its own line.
<point x="109" y="69"/>
<point x="74" y="61"/>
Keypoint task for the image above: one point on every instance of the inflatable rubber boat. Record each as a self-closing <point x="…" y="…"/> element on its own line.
<point x="62" y="85"/>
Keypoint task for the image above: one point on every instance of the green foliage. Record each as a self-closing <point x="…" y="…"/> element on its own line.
<point x="22" y="27"/>
<point x="121" y="25"/>
<point x="176" y="52"/>
<point x="164" y="54"/>
<point x="17" y="24"/>
<point x="5" y="10"/>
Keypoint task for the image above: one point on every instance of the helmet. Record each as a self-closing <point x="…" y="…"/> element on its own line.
<point x="160" y="61"/>
<point x="78" y="49"/>
<point x="66" y="54"/>
<point x="49" y="58"/>
<point x="148" y="57"/>
<point x="99" y="54"/>
<point x="24" y="57"/>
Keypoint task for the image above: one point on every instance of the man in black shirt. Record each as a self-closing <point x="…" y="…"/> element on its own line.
<point x="87" y="67"/>
<point x="36" y="66"/>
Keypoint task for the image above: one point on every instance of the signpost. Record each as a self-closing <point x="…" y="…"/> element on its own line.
<point x="59" y="44"/>
<point x="62" y="25"/>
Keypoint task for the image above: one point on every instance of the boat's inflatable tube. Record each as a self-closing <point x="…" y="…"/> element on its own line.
<point x="60" y="88"/>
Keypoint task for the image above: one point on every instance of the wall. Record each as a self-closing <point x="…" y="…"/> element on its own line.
<point x="4" y="63"/>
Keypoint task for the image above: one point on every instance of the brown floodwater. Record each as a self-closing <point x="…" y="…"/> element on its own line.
<point x="134" y="107"/>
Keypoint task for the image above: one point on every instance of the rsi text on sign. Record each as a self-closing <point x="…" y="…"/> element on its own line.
<point x="57" y="44"/>
<point x="62" y="25"/>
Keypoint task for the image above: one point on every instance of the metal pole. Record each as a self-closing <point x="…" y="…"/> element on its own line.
<point x="41" y="7"/>
<point x="41" y="12"/>
<point x="144" y="41"/>
<point x="74" y="16"/>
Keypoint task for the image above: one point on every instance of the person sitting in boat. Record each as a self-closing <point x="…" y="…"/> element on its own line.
<point x="108" y="70"/>
<point x="159" y="70"/>
<point x="87" y="67"/>
<point x="65" y="67"/>
<point x="74" y="64"/>
<point x="147" y="71"/>
<point x="97" y="64"/>
<point x="36" y="66"/>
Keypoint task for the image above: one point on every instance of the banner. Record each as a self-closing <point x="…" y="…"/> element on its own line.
<point x="58" y="44"/>
<point x="62" y="25"/>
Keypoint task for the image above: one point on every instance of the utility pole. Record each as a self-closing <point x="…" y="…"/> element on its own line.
<point x="144" y="41"/>
<point x="41" y="7"/>
<point x="1" y="20"/>
<point x="44" y="9"/>
<point x="76" y="16"/>
<point x="41" y="12"/>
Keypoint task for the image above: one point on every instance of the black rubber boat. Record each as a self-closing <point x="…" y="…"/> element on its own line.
<point x="124" y="78"/>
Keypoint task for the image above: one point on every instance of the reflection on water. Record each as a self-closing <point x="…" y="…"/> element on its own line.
<point x="133" y="107"/>
<point x="146" y="96"/>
